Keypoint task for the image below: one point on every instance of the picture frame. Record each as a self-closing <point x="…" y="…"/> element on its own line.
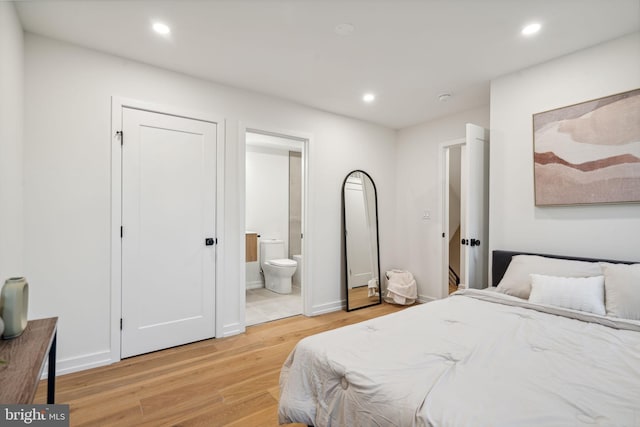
<point x="588" y="153"/>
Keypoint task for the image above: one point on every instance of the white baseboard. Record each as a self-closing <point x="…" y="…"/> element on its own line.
<point x="80" y="363"/>
<point x="424" y="298"/>
<point x="317" y="310"/>
<point x="255" y="285"/>
<point x="103" y="358"/>
<point x="232" y="329"/>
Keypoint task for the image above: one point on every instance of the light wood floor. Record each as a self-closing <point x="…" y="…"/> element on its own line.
<point x="219" y="382"/>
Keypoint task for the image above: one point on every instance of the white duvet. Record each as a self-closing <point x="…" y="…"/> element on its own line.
<point x="473" y="359"/>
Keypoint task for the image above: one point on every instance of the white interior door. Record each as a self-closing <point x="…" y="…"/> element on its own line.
<point x="475" y="207"/>
<point x="168" y="210"/>
<point x="358" y="234"/>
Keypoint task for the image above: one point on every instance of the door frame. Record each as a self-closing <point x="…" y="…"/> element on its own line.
<point x="117" y="105"/>
<point x="443" y="189"/>
<point x="306" y="139"/>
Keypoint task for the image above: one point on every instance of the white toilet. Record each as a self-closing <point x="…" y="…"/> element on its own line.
<point x="276" y="268"/>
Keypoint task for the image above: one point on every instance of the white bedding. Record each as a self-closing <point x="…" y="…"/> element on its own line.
<point x="473" y="359"/>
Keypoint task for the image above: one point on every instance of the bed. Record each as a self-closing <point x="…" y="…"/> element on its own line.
<point x="476" y="358"/>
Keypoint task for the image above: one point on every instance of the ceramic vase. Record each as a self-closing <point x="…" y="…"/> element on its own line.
<point x="14" y="304"/>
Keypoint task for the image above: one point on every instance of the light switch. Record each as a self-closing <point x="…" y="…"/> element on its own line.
<point x="426" y="215"/>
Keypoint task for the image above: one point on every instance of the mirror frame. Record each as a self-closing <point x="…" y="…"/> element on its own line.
<point x="344" y="235"/>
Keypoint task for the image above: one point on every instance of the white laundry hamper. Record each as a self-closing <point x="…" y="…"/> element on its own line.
<point x="401" y="287"/>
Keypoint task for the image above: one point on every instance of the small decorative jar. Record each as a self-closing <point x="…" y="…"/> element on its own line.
<point x="14" y="304"/>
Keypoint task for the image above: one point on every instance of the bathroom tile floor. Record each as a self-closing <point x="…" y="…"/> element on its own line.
<point x="264" y="305"/>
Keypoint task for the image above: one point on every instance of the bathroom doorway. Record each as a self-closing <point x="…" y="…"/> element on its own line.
<point x="274" y="201"/>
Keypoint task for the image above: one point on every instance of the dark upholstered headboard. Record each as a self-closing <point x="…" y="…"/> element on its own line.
<point x="501" y="259"/>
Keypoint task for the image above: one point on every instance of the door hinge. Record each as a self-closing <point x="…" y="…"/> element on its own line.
<point x="302" y="235"/>
<point x="121" y="323"/>
<point x="120" y="135"/>
<point x="443" y="236"/>
<point x="121" y="231"/>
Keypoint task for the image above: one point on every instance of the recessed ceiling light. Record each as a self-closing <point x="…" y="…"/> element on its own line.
<point x="344" y="29"/>
<point x="444" y="97"/>
<point x="531" y="29"/>
<point x="161" y="28"/>
<point x="368" y="97"/>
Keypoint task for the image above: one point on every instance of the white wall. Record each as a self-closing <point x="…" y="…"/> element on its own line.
<point x="11" y="155"/>
<point x="418" y="241"/>
<point x="67" y="184"/>
<point x="267" y="193"/>
<point x="267" y="198"/>
<point x="609" y="231"/>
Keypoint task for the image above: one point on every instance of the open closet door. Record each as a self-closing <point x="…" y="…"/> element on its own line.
<point x="475" y="227"/>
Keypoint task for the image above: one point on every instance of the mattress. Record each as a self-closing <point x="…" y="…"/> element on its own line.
<point x="475" y="358"/>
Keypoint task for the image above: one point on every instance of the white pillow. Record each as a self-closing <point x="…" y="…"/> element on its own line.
<point x="576" y="293"/>
<point x="622" y="290"/>
<point x="517" y="282"/>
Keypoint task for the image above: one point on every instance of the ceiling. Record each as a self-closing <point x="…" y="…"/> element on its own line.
<point x="407" y="52"/>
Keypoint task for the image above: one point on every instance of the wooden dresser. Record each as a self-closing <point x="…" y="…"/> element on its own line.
<point x="25" y="357"/>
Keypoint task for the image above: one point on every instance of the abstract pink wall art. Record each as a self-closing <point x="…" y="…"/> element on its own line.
<point x="589" y="152"/>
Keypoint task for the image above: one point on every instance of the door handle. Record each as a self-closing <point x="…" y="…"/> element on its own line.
<point x="475" y="242"/>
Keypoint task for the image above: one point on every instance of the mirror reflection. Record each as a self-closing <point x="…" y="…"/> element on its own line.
<point x="360" y="218"/>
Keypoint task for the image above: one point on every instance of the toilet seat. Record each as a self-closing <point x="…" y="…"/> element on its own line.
<point x="282" y="262"/>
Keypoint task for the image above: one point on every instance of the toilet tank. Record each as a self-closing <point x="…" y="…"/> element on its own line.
<point x="271" y="249"/>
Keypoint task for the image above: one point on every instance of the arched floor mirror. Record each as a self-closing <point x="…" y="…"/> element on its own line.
<point x="361" y="247"/>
